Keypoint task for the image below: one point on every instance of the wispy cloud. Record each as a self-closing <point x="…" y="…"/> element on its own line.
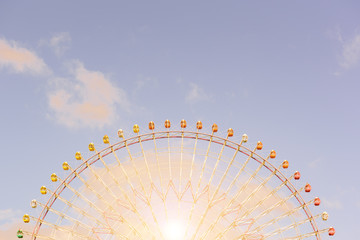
<point x="88" y="99"/>
<point x="196" y="93"/>
<point x="333" y="204"/>
<point x="84" y="99"/>
<point x="315" y="163"/>
<point x="12" y="224"/>
<point x="351" y="52"/>
<point x="9" y="231"/>
<point x="358" y="204"/>
<point x="19" y="59"/>
<point x="143" y="82"/>
<point x="59" y="42"/>
<point x="6" y="214"/>
<point x="9" y="222"/>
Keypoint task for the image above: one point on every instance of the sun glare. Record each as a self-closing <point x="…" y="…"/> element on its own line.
<point x="174" y="230"/>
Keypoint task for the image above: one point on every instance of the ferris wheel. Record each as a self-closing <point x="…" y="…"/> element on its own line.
<point x="176" y="184"/>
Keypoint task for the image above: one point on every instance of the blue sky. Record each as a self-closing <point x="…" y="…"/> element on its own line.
<point x="286" y="73"/>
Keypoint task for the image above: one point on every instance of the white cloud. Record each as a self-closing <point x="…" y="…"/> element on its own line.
<point x="13" y="223"/>
<point x="315" y="163"/>
<point x="143" y="82"/>
<point x="196" y="94"/>
<point x="89" y="99"/>
<point x="6" y="214"/>
<point x="20" y="59"/>
<point x="85" y="99"/>
<point x="9" y="220"/>
<point x="351" y="52"/>
<point x="60" y="42"/>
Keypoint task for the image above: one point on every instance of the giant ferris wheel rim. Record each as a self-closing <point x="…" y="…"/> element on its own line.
<point x="155" y="135"/>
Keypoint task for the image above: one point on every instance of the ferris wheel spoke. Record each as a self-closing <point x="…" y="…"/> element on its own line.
<point x="273" y="207"/>
<point x="272" y="193"/>
<point x="86" y="184"/>
<point x="233" y="181"/>
<point x="134" y="209"/>
<point x="151" y="184"/>
<point x="76" y="208"/>
<point x="123" y="170"/>
<point x="217" y="162"/>
<point x="255" y="191"/>
<point x="148" y="201"/>
<point x="307" y="235"/>
<point x="218" y="187"/>
<point x="190" y="177"/>
<point x="101" y="212"/>
<point x="275" y="190"/>
<point x="193" y="155"/>
<point x="286" y="228"/>
<point x="180" y="169"/>
<point x="145" y="159"/>
<point x="236" y="196"/>
<point x="37" y="235"/>
<point x="258" y="188"/>
<point x="136" y="171"/>
<point x="62" y="215"/>
<point x="208" y="185"/>
<point x="63" y="229"/>
<point x="97" y="176"/>
<point x="284" y="215"/>
<point x="268" y="211"/>
<point x="269" y="223"/>
<point x="83" y="213"/>
<point x="234" y="224"/>
<point x="161" y="192"/>
<point x="169" y="155"/>
<point x="202" y="169"/>
<point x="81" y="196"/>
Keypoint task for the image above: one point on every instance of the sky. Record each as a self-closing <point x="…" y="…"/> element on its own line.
<point x="283" y="72"/>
